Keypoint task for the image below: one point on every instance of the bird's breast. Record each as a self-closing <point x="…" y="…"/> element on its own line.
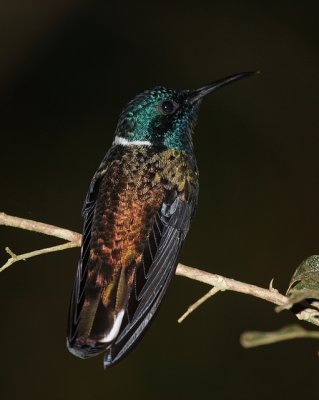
<point x="131" y="192"/>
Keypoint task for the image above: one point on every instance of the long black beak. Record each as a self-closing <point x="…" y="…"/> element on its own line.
<point x="197" y="94"/>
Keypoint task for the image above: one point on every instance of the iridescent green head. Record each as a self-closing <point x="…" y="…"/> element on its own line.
<point x="164" y="117"/>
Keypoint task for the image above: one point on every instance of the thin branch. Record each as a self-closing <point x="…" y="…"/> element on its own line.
<point x="40" y="227"/>
<point x="257" y="338"/>
<point x="14" y="257"/>
<point x="223" y="283"/>
<point x="74" y="240"/>
<point x="200" y="301"/>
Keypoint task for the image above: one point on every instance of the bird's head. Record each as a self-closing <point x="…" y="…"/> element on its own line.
<point x="165" y="117"/>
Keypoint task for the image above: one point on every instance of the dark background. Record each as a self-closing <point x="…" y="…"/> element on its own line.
<point x="67" y="68"/>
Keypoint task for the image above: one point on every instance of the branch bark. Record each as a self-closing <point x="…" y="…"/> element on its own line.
<point x="40" y="227"/>
<point x="256" y="338"/>
<point x="73" y="239"/>
<point x="223" y="283"/>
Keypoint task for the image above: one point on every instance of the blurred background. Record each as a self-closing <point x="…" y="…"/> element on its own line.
<point x="67" y="69"/>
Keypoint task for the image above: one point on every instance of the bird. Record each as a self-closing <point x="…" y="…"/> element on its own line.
<point x="137" y="213"/>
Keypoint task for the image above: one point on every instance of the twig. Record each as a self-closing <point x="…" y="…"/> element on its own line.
<point x="200" y="301"/>
<point x="14" y="258"/>
<point x="256" y="338"/>
<point x="223" y="283"/>
<point x="74" y="239"/>
<point x="40" y="227"/>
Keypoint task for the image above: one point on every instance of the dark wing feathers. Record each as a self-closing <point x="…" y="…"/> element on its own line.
<point x="144" y="303"/>
<point x="125" y="343"/>
<point x="77" y="296"/>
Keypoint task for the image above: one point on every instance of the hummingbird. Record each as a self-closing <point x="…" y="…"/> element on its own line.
<point x="137" y="213"/>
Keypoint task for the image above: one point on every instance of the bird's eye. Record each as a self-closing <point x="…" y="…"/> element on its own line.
<point x="168" y="107"/>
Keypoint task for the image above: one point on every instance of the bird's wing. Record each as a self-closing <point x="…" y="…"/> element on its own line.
<point x="77" y="297"/>
<point x="155" y="271"/>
